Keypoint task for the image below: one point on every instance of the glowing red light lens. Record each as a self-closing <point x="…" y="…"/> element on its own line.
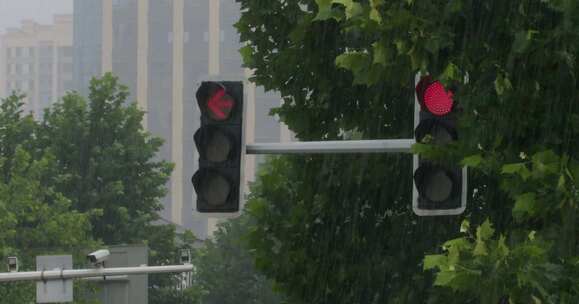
<point x="437" y="100"/>
<point x="220" y="105"/>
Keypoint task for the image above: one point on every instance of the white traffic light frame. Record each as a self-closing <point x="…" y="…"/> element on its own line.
<point x="415" y="163"/>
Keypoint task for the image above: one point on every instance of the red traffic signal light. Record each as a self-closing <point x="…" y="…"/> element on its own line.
<point x="439" y="189"/>
<point x="214" y="101"/>
<point x="219" y="141"/>
<point x="434" y="97"/>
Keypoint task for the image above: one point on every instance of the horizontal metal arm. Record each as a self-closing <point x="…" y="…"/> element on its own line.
<point x="58" y="274"/>
<point x="336" y="146"/>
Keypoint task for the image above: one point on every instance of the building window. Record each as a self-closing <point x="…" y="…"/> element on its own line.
<point x="65" y="51"/>
<point x="45" y="51"/>
<point x="66" y="67"/>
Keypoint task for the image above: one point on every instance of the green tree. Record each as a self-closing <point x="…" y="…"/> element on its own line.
<point x="225" y="270"/>
<point x="96" y="167"/>
<point x="110" y="166"/>
<point x="107" y="159"/>
<point x="34" y="217"/>
<point x="339" y="229"/>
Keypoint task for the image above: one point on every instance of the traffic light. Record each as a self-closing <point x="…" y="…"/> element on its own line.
<point x="439" y="189"/>
<point x="219" y="141"/>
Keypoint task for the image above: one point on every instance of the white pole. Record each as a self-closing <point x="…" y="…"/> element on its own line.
<point x="336" y="146"/>
<point x="58" y="274"/>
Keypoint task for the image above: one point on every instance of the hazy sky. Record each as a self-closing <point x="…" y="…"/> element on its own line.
<point x="13" y="11"/>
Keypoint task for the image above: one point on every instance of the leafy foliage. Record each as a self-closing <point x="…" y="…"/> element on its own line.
<point x="225" y="270"/>
<point x="345" y="65"/>
<point x="35" y="218"/>
<point x="107" y="159"/>
<point x="85" y="175"/>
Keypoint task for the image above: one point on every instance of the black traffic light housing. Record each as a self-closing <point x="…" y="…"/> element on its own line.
<point x="438" y="188"/>
<point x="219" y="141"/>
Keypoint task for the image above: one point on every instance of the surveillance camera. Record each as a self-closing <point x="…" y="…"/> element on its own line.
<point x="12" y="264"/>
<point x="98" y="256"/>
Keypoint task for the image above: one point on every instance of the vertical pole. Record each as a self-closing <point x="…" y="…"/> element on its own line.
<point x="3" y="59"/>
<point x="107" y="37"/>
<point x="142" y="58"/>
<point x="214" y="37"/>
<point x="177" y="113"/>
<point x="55" y="76"/>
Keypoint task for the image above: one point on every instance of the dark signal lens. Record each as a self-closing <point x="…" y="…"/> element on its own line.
<point x="215" y="189"/>
<point x="212" y="188"/>
<point x="435" y="183"/>
<point x="218" y="147"/>
<point x="214" y="144"/>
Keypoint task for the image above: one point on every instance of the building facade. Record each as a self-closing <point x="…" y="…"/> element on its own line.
<point x="36" y="60"/>
<point x="162" y="49"/>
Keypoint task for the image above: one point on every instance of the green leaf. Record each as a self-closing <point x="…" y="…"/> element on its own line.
<point x="380" y="53"/>
<point x="480" y="249"/>
<point x="353" y="61"/>
<point x="502" y="247"/>
<point x="353" y="9"/>
<point x="472" y="161"/>
<point x="375" y="16"/>
<point x="465" y="226"/>
<point x="525" y="204"/>
<point x="444" y="278"/>
<point x="561" y="183"/>
<point x="324" y="10"/>
<point x="451" y="73"/>
<point x="434" y="260"/>
<point x="523" y="40"/>
<point x="502" y="84"/>
<point x="454" y="6"/>
<point x="247" y="55"/>
<point x="485" y="231"/>
<point x="545" y="162"/>
<point x="518" y="168"/>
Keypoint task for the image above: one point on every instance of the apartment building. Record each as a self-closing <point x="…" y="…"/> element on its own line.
<point x="36" y="60"/>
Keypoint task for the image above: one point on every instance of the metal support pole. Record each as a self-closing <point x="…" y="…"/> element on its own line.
<point x="58" y="274"/>
<point x="337" y="146"/>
